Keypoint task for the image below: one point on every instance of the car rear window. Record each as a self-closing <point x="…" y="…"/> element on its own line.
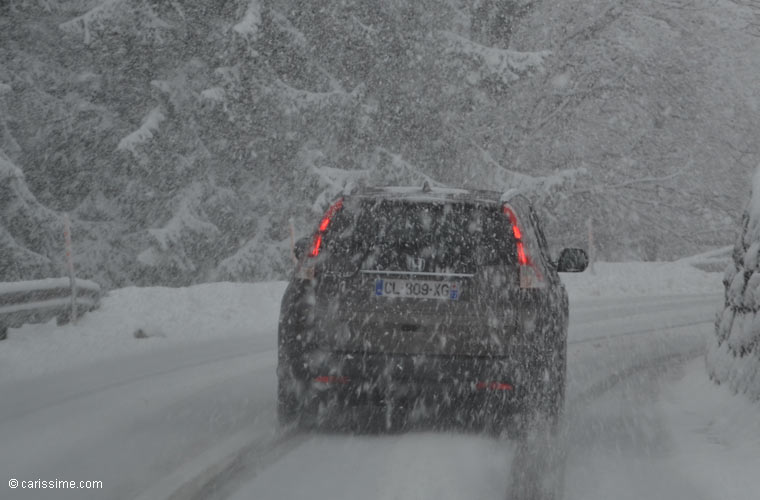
<point x="433" y="237"/>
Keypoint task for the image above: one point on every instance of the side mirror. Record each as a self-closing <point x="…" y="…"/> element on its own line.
<point x="299" y="249"/>
<point x="572" y="260"/>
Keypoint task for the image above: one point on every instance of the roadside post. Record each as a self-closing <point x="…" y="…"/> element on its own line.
<point x="70" y="266"/>
<point x="292" y="228"/>
<point x="591" y="250"/>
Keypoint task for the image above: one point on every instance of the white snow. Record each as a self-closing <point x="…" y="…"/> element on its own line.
<point x="509" y="65"/>
<point x="417" y="189"/>
<point x="539" y="187"/>
<point x="42" y="285"/>
<point x="713" y="427"/>
<point x="186" y="221"/>
<point x="8" y="169"/>
<point x="86" y="76"/>
<point x="717" y="258"/>
<point x="677" y="438"/>
<point x="49" y="283"/>
<point x="110" y="11"/>
<point x="561" y="80"/>
<point x="420" y="466"/>
<point x="287" y="27"/>
<point x="144" y="133"/>
<point x="296" y="101"/>
<point x="149" y="257"/>
<point x="44" y="304"/>
<point x="203" y="379"/>
<point x="219" y="310"/>
<point x="168" y="316"/>
<point x="162" y="85"/>
<point x="753" y="232"/>
<point x="213" y="94"/>
<point x="184" y="218"/>
<point x="249" y="25"/>
<point x="635" y="279"/>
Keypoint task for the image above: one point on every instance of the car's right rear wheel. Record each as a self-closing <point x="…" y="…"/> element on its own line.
<point x="550" y="406"/>
<point x="543" y="408"/>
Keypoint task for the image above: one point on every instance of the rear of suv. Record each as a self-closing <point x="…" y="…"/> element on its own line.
<point x="423" y="304"/>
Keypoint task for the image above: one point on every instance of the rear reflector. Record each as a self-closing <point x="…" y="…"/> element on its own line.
<point x="331" y="379"/>
<point x="493" y="386"/>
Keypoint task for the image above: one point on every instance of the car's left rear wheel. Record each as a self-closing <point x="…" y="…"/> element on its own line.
<point x="288" y="404"/>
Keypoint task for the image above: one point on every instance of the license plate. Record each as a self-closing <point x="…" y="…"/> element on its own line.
<point x="418" y="289"/>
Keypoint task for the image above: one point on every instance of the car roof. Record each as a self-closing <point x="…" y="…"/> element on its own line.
<point x="439" y="194"/>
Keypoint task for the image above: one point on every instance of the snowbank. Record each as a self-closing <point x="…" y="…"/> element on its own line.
<point x="137" y="320"/>
<point x="734" y="356"/>
<point x="676" y="436"/>
<point x="714" y="428"/>
<point x="621" y="279"/>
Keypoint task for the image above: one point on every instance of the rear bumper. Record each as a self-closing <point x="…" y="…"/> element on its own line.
<point x="358" y="379"/>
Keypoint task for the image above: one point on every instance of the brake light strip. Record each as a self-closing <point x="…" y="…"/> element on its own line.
<point x="494" y="386"/>
<point x="522" y="258"/>
<point x="323" y="225"/>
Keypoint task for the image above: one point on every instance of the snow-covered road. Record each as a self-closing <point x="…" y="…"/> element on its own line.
<point x="612" y="341"/>
<point x="130" y="422"/>
<point x="189" y="413"/>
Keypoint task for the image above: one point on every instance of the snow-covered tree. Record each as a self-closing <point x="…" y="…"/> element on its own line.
<point x="183" y="137"/>
<point x="653" y="101"/>
<point x="28" y="231"/>
<point x="733" y="356"/>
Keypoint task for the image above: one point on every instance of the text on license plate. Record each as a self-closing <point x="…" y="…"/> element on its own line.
<point x="417" y="289"/>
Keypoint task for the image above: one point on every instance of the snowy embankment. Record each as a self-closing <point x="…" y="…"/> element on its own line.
<point x="636" y="279"/>
<point x="137" y="320"/>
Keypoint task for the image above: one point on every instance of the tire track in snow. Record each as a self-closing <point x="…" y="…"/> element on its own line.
<point x="97" y="386"/>
<point x="639" y="332"/>
<point x="538" y="467"/>
<point x="598" y="389"/>
<point x="222" y="478"/>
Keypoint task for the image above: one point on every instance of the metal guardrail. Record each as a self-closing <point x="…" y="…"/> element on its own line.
<point x="38" y="301"/>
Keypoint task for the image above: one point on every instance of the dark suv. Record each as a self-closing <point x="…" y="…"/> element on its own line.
<point x="425" y="304"/>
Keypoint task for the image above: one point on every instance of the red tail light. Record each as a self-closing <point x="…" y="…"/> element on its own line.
<point x="334" y="208"/>
<point x="331" y="379"/>
<point x="316" y="245"/>
<point x="323" y="225"/>
<point x="522" y="258"/>
<point x="530" y="275"/>
<point x="494" y="386"/>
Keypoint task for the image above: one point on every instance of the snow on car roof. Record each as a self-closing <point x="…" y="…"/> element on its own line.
<point x="417" y="193"/>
